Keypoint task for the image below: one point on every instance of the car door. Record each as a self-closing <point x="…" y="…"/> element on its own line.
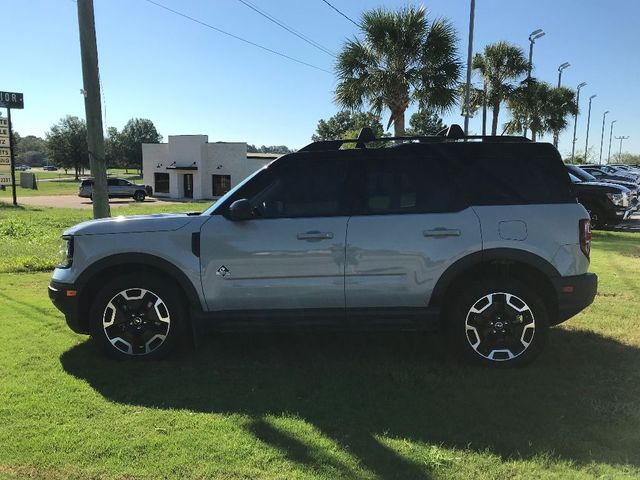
<point x="290" y="255"/>
<point x="410" y="223"/>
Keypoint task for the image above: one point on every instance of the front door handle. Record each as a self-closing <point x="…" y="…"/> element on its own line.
<point x="442" y="232"/>
<point x="314" y="235"/>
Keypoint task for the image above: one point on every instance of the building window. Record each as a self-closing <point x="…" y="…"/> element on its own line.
<point x="161" y="181"/>
<point x="221" y="184"/>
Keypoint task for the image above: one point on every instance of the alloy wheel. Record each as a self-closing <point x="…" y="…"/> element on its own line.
<point x="500" y="326"/>
<point x="136" y="321"/>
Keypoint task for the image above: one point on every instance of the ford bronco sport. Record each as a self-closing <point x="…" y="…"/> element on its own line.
<point x="481" y="236"/>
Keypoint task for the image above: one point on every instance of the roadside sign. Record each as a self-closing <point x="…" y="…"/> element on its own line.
<point x="11" y="100"/>
<point x="5" y="180"/>
<point x="4" y="122"/>
<point x="5" y="152"/>
<point x="4" y="132"/>
<point x="4" y="142"/>
<point x="5" y="160"/>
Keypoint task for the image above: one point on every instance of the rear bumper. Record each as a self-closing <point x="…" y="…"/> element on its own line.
<point x="575" y="293"/>
<point x="62" y="296"/>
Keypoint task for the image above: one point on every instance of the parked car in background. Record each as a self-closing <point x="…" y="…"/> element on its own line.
<point x="50" y="168"/>
<point x="607" y="203"/>
<point x="117" y="188"/>
<point x="587" y="177"/>
<point x="23" y="168"/>
<point x="606" y="174"/>
<point x="483" y="238"/>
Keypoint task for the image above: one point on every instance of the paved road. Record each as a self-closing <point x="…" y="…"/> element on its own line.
<point x="73" y="201"/>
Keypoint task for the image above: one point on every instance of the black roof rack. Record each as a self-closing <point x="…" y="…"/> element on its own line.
<point x="451" y="134"/>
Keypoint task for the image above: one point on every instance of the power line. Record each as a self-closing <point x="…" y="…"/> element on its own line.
<point x="204" y="24"/>
<point x="286" y="27"/>
<point x="344" y="15"/>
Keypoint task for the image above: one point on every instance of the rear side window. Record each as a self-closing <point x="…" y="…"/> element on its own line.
<point x="396" y="184"/>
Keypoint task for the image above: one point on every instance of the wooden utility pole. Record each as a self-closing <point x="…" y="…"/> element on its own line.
<point x="92" y="107"/>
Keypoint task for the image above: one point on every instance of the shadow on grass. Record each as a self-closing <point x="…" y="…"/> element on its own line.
<point x="577" y="402"/>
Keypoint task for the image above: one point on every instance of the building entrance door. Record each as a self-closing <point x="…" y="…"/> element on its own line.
<point x="188" y="185"/>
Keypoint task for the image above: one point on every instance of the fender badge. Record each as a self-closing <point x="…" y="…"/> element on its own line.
<point x="222" y="271"/>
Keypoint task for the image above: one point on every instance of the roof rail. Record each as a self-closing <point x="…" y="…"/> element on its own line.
<point x="451" y="134"/>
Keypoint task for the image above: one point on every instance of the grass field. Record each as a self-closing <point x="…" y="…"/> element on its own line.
<point x="303" y="406"/>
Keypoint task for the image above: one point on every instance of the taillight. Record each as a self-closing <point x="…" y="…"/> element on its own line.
<point x="585" y="236"/>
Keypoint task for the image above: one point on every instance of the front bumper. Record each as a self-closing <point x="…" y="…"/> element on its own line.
<point x="575" y="293"/>
<point x="66" y="298"/>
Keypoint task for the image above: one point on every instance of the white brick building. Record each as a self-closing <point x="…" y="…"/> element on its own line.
<point x="188" y="166"/>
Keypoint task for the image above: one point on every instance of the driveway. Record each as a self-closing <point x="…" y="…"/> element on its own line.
<point x="73" y="201"/>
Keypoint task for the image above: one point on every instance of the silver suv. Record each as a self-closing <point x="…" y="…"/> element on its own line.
<point x="483" y="238"/>
<point x="116" y="188"/>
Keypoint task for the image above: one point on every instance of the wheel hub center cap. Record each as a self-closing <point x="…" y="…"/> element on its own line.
<point x="137" y="321"/>
<point x="499" y="325"/>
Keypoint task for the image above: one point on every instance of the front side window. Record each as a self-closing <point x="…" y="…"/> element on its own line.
<point x="300" y="188"/>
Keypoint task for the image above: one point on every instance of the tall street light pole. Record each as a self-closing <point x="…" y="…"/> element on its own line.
<point x="467" y="93"/>
<point x="560" y="69"/>
<point x="586" y="143"/>
<point x="533" y="36"/>
<point x="610" y="135"/>
<point x="602" y="136"/>
<point x="575" y="122"/>
<point x="620" y="152"/>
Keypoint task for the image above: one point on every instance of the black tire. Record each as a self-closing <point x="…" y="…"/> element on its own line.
<point x="598" y="218"/>
<point x="137" y="316"/>
<point x="498" y="322"/>
<point x="139" y="196"/>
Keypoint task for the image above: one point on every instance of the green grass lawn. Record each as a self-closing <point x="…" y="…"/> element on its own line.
<point x="306" y="406"/>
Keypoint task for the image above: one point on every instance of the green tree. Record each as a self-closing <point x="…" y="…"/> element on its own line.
<point x="402" y="59"/>
<point x="67" y="144"/>
<point x="560" y="105"/>
<point x="29" y="150"/>
<point x="346" y="122"/>
<point x="425" y="122"/>
<point x="113" y="149"/>
<point x="499" y="65"/>
<point x="136" y="132"/>
<point x="540" y="107"/>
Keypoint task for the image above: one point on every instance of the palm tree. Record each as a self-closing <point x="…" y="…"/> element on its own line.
<point x="541" y="108"/>
<point x="403" y="58"/>
<point x="560" y="104"/>
<point x="500" y="64"/>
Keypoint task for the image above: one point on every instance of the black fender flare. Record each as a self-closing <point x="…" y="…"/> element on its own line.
<point x="487" y="257"/>
<point x="153" y="261"/>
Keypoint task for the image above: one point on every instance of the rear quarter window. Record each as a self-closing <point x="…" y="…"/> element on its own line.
<point x="514" y="175"/>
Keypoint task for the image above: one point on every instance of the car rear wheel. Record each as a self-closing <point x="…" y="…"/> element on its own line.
<point x="139" y="196"/>
<point x="136" y="316"/>
<point x="500" y="323"/>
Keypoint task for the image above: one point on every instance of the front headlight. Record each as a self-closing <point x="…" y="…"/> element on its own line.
<point x="619" y="199"/>
<point x="66" y="252"/>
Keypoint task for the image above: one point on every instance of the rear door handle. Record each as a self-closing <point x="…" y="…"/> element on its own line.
<point x="442" y="232"/>
<point x="314" y="235"/>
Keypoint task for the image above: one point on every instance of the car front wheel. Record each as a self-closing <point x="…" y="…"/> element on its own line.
<point x="499" y="323"/>
<point x="136" y="316"/>
<point x="139" y="196"/>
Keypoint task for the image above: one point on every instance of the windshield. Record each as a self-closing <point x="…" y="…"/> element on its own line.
<point x="581" y="174"/>
<point x="224" y="198"/>
<point x="574" y="179"/>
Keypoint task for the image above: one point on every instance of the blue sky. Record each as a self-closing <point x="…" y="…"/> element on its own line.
<point x="190" y="80"/>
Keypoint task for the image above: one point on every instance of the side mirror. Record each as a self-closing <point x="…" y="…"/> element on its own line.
<point x="240" y="210"/>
